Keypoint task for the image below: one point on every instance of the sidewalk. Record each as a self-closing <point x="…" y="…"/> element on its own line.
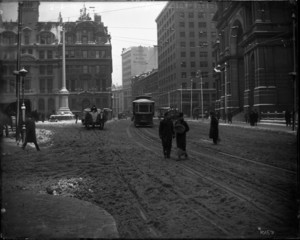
<point x="262" y="125"/>
<point x="27" y="214"/>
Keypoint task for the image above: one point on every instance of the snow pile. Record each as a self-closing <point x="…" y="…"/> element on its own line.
<point x="66" y="187"/>
<point x="43" y="135"/>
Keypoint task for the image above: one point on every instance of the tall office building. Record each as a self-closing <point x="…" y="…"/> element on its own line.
<point x="186" y="33"/>
<point x="135" y="61"/>
<point x="87" y="53"/>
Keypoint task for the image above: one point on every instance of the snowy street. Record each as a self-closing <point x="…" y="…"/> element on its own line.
<point x="243" y="187"/>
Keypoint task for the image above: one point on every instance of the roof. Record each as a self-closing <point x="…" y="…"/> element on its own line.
<point x="143" y="101"/>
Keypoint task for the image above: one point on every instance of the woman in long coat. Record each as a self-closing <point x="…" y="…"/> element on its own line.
<point x="181" y="136"/>
<point x="214" y="128"/>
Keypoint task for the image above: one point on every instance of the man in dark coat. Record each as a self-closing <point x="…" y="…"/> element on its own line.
<point x="181" y="136"/>
<point x="30" y="133"/>
<point x="287" y="116"/>
<point x="166" y="133"/>
<point x="214" y="128"/>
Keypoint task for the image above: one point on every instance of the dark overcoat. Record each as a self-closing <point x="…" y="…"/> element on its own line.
<point x="181" y="137"/>
<point x="214" y="128"/>
<point x="166" y="130"/>
<point x="30" y="131"/>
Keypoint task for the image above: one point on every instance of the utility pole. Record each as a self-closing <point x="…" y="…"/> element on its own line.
<point x="294" y="69"/>
<point x="191" y="98"/>
<point x="225" y="95"/>
<point x="20" y="5"/>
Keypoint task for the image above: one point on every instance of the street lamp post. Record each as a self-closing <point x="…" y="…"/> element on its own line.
<point x="23" y="73"/>
<point x="191" y="98"/>
<point x="294" y="69"/>
<point x="201" y="90"/>
<point x="225" y="95"/>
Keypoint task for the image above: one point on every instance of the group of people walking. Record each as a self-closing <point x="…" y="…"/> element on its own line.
<point x="169" y="130"/>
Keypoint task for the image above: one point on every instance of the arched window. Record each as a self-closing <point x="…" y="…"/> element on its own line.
<point x="46" y="38"/>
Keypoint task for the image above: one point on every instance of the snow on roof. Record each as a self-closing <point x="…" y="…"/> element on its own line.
<point x="143" y="101"/>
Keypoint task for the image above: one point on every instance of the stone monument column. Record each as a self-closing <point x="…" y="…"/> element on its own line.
<point x="64" y="93"/>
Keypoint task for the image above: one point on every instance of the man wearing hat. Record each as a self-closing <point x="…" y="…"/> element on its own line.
<point x="166" y="133"/>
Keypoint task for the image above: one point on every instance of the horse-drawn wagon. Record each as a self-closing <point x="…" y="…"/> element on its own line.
<point x="94" y="117"/>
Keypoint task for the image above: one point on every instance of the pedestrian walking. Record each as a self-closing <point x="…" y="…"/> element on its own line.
<point x="214" y="128"/>
<point x="181" y="128"/>
<point x="288" y="116"/>
<point x="256" y="117"/>
<point x="76" y="118"/>
<point x="30" y="133"/>
<point x="252" y="118"/>
<point x="166" y="134"/>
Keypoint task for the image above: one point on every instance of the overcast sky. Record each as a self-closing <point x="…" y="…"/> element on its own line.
<point x="129" y="23"/>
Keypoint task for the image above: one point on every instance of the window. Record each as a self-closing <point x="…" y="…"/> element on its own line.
<point x="203" y="54"/>
<point x="181" y="14"/>
<point x="30" y="51"/>
<point x="183" y="54"/>
<point x="45" y="38"/>
<point x="85" y="69"/>
<point x="41" y="54"/>
<point x="203" y="64"/>
<point x="26" y="39"/>
<point x="183" y="75"/>
<point x="192" y="54"/>
<point x="202" y="34"/>
<point x="192" y="44"/>
<point x="49" y="54"/>
<point x="69" y="39"/>
<point x="202" y="24"/>
<point x="42" y="70"/>
<point x="49" y="69"/>
<point x="42" y="85"/>
<point x="9" y="38"/>
<point x="84" y="54"/>
<point x="182" y="44"/>
<point x="192" y="34"/>
<point x="49" y="85"/>
<point x="191" y="24"/>
<point x="182" y="34"/>
<point x="181" y="24"/>
<point x="97" y="54"/>
<point x="204" y="74"/>
<point x="183" y="64"/>
<point x="201" y="15"/>
<point x="191" y="14"/>
<point x="84" y="39"/>
<point x="193" y="64"/>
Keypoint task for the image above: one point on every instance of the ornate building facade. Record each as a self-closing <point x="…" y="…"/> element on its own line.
<point x="87" y="53"/>
<point x="255" y="52"/>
